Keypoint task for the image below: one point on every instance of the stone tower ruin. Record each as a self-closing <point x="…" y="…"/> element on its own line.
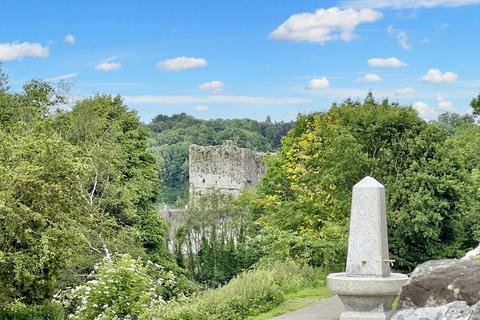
<point x="225" y="169"/>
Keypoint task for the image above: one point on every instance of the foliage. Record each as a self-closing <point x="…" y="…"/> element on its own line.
<point x="173" y="135"/>
<point x="465" y="146"/>
<point x="19" y="311"/>
<point x="73" y="186"/>
<point x="452" y="122"/>
<point x="122" y="184"/>
<point x="3" y="80"/>
<point x="213" y="242"/>
<point x="307" y="188"/>
<point x="284" y="245"/>
<point x="250" y="293"/>
<point x="475" y="105"/>
<point x="80" y="186"/>
<point x="39" y="196"/>
<point x="120" y="288"/>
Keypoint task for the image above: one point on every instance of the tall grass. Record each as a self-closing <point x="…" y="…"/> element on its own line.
<point x="250" y="293"/>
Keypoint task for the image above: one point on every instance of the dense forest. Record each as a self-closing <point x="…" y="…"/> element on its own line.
<point x="81" y="238"/>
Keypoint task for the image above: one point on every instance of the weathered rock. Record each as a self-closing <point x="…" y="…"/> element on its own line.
<point x="457" y="310"/>
<point x="472" y="254"/>
<point x="475" y="312"/>
<point x="439" y="282"/>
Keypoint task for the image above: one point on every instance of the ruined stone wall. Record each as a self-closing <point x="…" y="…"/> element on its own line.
<point x="225" y="169"/>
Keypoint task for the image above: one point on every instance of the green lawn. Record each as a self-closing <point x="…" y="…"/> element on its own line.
<point x="295" y="301"/>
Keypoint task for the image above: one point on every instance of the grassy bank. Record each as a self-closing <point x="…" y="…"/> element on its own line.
<point x="251" y="293"/>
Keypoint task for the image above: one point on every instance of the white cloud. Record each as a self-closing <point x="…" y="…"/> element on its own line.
<point x="215" y="86"/>
<point x="318" y="84"/>
<point x="70" y="39"/>
<point x="402" y="39"/>
<point x="435" y="76"/>
<point x="324" y="25"/>
<point x="63" y="77"/>
<point x="386" y="63"/>
<point x="201" y="108"/>
<point x="421" y="107"/>
<point x="181" y="63"/>
<point x="405" y="91"/>
<point x="109" y="59"/>
<point x="429" y="113"/>
<point x="224" y="99"/>
<point x="15" y="51"/>
<point x="411" y="4"/>
<point x="370" y="77"/>
<point x="401" y="36"/>
<point x="107" y="66"/>
<point x="445" y="105"/>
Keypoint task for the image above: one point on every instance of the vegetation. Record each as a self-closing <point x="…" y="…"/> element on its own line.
<point x="305" y="195"/>
<point x="452" y="122"/>
<point x="251" y="293"/>
<point x="73" y="187"/>
<point x="81" y="238"/>
<point x="120" y="288"/>
<point x="214" y="242"/>
<point x="172" y="136"/>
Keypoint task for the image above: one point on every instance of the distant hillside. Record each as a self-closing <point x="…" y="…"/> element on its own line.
<point x="172" y="135"/>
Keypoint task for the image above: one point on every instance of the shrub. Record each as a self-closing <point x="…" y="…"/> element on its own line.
<point x="120" y="288"/>
<point x="19" y="311"/>
<point x="251" y="293"/>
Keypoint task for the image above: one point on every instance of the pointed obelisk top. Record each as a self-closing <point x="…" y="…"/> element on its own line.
<point x="368" y="182"/>
<point x="368" y="242"/>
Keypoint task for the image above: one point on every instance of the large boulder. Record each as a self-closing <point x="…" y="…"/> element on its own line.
<point x="457" y="310"/>
<point x="472" y="254"/>
<point x="439" y="282"/>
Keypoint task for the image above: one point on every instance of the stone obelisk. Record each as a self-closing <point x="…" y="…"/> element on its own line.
<point x="367" y="288"/>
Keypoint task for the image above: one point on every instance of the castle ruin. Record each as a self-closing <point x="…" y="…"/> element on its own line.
<point x="225" y="169"/>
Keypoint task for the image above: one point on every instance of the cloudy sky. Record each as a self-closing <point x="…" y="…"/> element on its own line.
<point x="248" y="58"/>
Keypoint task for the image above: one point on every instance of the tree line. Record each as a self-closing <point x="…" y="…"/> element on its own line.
<point x="81" y="236"/>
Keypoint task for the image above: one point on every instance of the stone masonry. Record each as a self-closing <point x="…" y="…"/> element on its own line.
<point x="225" y="169"/>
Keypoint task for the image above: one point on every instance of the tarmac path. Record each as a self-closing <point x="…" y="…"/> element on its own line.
<point x="325" y="309"/>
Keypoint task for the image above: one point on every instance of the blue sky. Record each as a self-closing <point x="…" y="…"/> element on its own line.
<point x="248" y="58"/>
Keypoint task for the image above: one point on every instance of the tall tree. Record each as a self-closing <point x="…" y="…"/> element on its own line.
<point x="307" y="187"/>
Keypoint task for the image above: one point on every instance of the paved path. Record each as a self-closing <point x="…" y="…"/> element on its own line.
<point x="325" y="309"/>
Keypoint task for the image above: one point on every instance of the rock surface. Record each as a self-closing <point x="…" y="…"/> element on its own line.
<point x="439" y="282"/>
<point x="457" y="310"/>
<point x="472" y="254"/>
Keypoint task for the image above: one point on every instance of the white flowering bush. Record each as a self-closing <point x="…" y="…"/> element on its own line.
<point x="119" y="288"/>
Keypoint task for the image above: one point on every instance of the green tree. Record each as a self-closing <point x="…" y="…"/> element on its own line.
<point x="475" y="104"/>
<point x="213" y="240"/>
<point x="122" y="185"/>
<point x="3" y="81"/>
<point x="452" y="122"/>
<point x="39" y="192"/>
<point x="74" y="187"/>
<point x="307" y="188"/>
